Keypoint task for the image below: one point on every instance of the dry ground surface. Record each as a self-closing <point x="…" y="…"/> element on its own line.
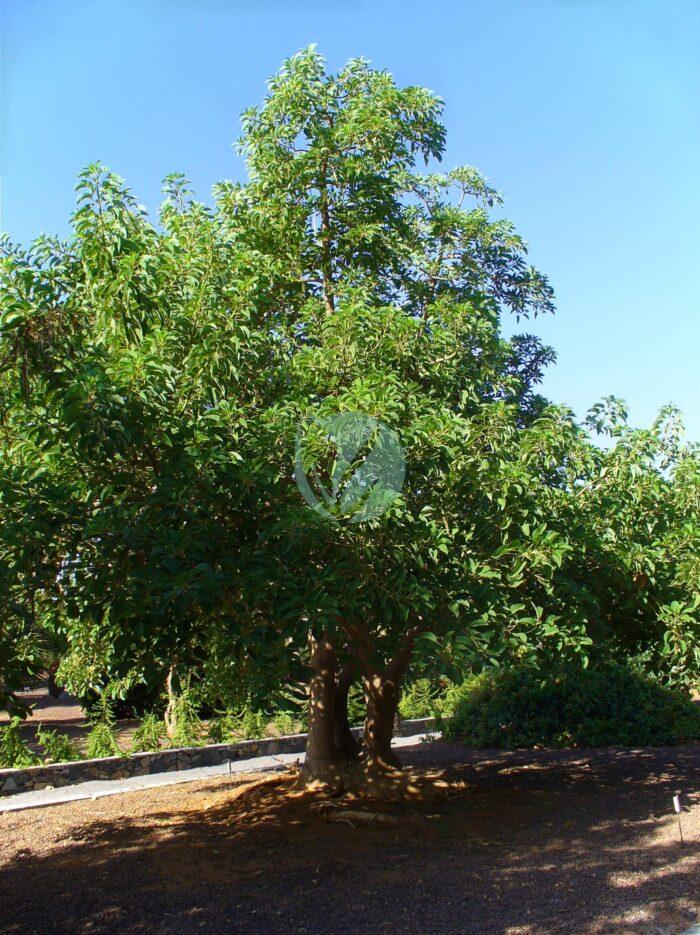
<point x="524" y="842"/>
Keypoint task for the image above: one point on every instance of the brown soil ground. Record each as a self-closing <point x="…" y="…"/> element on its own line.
<point x="536" y="842"/>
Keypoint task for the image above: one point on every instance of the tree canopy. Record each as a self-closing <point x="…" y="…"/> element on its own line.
<point x="155" y="378"/>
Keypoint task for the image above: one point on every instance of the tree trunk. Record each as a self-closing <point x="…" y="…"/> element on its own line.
<point x="170" y="716"/>
<point x="323" y="763"/>
<point x="326" y="262"/>
<point x="344" y="739"/>
<point x="383" y="690"/>
<point x="382" y="701"/>
<point x="54" y="689"/>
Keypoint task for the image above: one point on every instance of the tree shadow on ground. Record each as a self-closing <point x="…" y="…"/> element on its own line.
<point x="538" y="842"/>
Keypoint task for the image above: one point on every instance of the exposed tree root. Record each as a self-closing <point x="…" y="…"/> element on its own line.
<point x="369" y="798"/>
<point x="382" y="782"/>
<point x="248" y="789"/>
<point x="334" y="811"/>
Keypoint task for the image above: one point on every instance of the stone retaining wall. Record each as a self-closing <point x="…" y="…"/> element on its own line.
<point x="164" y="761"/>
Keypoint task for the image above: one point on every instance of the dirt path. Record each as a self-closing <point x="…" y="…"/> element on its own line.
<point x="65" y="715"/>
<point x="545" y="842"/>
<point x="64" y="710"/>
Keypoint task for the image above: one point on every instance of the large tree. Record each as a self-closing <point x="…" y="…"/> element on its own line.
<point x="389" y="287"/>
<point x="164" y="383"/>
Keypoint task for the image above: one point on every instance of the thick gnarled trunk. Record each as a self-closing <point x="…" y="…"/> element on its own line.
<point x="382" y="691"/>
<point x="334" y="758"/>
<point x="382" y="701"/>
<point x="324" y="762"/>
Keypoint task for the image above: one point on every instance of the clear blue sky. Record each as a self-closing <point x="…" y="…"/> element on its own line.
<point x="584" y="113"/>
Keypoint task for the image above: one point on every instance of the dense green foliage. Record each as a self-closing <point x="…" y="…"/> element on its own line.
<point x="421" y="698"/>
<point x="610" y="705"/>
<point x="57" y="748"/>
<point x="102" y="739"/>
<point x="149" y="735"/>
<point x="154" y="376"/>
<point x="187" y="730"/>
<point x="14" y="751"/>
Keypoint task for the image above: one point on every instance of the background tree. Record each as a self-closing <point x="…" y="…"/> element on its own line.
<point x="132" y="355"/>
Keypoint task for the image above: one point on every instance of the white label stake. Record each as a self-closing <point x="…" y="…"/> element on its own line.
<point x="677" y="808"/>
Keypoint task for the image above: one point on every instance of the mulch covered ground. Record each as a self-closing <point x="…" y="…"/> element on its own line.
<point x="539" y="842"/>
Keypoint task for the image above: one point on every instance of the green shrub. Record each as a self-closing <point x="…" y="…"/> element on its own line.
<point x="245" y="724"/>
<point x="224" y="728"/>
<point x="14" y="752"/>
<point x="283" y="723"/>
<point x="253" y="724"/>
<point x="419" y="699"/>
<point x="149" y="735"/>
<point x="102" y="740"/>
<point x="572" y="707"/>
<point x="188" y="724"/>
<point x="425" y="698"/>
<point x="356" y="704"/>
<point x="58" y="748"/>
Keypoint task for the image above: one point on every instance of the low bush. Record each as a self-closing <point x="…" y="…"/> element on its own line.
<point x="14" y="752"/>
<point x="423" y="698"/>
<point x="188" y="726"/>
<point x="57" y="748"/>
<point x="253" y="724"/>
<point x="283" y="723"/>
<point x="149" y="735"/>
<point x="102" y="740"/>
<point x="610" y="705"/>
<point x="224" y="728"/>
<point x="356" y="706"/>
<point x="249" y="724"/>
